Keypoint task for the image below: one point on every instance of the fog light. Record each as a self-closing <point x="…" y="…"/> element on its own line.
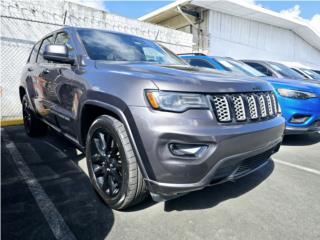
<point x="187" y="150"/>
<point x="299" y="118"/>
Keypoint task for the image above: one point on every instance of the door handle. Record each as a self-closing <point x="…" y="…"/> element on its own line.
<point x="46" y="71"/>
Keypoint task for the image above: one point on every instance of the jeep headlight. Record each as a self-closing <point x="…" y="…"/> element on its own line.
<point x="175" y="101"/>
<point x="295" y="93"/>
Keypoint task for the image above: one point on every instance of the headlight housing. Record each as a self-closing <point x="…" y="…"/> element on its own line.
<point x="175" y="101"/>
<point x="290" y="93"/>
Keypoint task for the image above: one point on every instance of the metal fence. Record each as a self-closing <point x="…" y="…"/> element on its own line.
<point x="24" y="21"/>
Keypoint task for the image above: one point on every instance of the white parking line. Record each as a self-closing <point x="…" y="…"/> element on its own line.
<point x="59" y="228"/>
<point x="306" y="169"/>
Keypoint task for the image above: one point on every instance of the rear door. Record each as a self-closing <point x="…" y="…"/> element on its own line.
<point x="43" y="83"/>
<point x="37" y="72"/>
<point x="30" y="71"/>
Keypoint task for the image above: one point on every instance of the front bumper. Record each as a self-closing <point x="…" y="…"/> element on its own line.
<point x="232" y="168"/>
<point x="299" y="107"/>
<point x="314" y="127"/>
<point x="228" y="145"/>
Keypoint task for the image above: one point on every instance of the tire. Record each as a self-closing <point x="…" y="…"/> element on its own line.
<point x="32" y="125"/>
<point x="112" y="165"/>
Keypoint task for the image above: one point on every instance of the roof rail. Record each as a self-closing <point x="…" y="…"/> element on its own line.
<point x="195" y="54"/>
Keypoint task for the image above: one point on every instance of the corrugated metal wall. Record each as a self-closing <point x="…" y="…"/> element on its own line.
<point x="241" y="38"/>
<point x="24" y="22"/>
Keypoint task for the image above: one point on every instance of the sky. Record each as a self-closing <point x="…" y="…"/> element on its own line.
<point x="307" y="10"/>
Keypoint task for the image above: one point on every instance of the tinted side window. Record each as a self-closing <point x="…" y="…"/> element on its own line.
<point x="199" y="63"/>
<point x="63" y="38"/>
<point x="45" y="42"/>
<point x="152" y="55"/>
<point x="260" y="68"/>
<point x="34" y="53"/>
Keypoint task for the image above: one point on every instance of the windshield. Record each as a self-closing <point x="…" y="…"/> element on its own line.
<point x="311" y="73"/>
<point x="109" y="46"/>
<point x="235" y="65"/>
<point x="286" y="71"/>
<point x="229" y="67"/>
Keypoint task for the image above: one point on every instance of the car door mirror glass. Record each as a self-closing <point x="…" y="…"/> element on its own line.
<point x="57" y="53"/>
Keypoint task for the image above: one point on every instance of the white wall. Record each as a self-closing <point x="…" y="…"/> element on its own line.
<point x="246" y="39"/>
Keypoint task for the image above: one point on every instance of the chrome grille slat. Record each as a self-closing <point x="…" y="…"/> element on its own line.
<point x="253" y="110"/>
<point x="269" y="104"/>
<point x="258" y="106"/>
<point x="275" y="107"/>
<point x="239" y="109"/>
<point x="222" y="108"/>
<point x="263" y="107"/>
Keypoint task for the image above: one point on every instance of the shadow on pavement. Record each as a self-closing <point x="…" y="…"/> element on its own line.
<point x="212" y="196"/>
<point x="301" y="140"/>
<point x="53" y="162"/>
<point x="148" y="202"/>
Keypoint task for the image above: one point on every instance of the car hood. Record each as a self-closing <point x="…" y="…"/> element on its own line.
<point x="303" y="85"/>
<point x="186" y="78"/>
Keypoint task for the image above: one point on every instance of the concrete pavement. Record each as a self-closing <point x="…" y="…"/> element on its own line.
<point x="280" y="201"/>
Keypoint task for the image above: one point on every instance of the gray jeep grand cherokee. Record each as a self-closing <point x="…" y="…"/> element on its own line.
<point x="146" y="121"/>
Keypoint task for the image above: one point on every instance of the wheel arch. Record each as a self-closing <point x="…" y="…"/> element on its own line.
<point x="92" y="109"/>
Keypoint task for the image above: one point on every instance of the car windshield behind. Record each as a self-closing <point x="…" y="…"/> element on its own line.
<point x="311" y="73"/>
<point x="238" y="65"/>
<point x="286" y="71"/>
<point x="110" y="46"/>
<point x="230" y="67"/>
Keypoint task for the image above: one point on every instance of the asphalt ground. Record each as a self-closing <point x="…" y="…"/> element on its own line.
<point x="46" y="194"/>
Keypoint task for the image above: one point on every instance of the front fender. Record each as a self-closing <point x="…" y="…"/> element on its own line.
<point x="120" y="109"/>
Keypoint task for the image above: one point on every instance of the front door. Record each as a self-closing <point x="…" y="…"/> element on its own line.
<point x="66" y="88"/>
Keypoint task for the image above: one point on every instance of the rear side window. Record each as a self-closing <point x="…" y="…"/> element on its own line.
<point x="45" y="42"/>
<point x="34" y="53"/>
<point x="199" y="63"/>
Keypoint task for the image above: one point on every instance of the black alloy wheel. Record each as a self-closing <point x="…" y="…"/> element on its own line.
<point x="33" y="126"/>
<point x="112" y="165"/>
<point x="106" y="162"/>
<point x="27" y="117"/>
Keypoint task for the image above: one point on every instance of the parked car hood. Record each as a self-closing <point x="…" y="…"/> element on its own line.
<point x="303" y="85"/>
<point x="186" y="78"/>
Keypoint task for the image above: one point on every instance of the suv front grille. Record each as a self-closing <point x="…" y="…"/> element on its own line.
<point x="244" y="107"/>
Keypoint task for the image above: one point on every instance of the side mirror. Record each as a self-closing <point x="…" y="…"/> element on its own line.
<point x="57" y="53"/>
